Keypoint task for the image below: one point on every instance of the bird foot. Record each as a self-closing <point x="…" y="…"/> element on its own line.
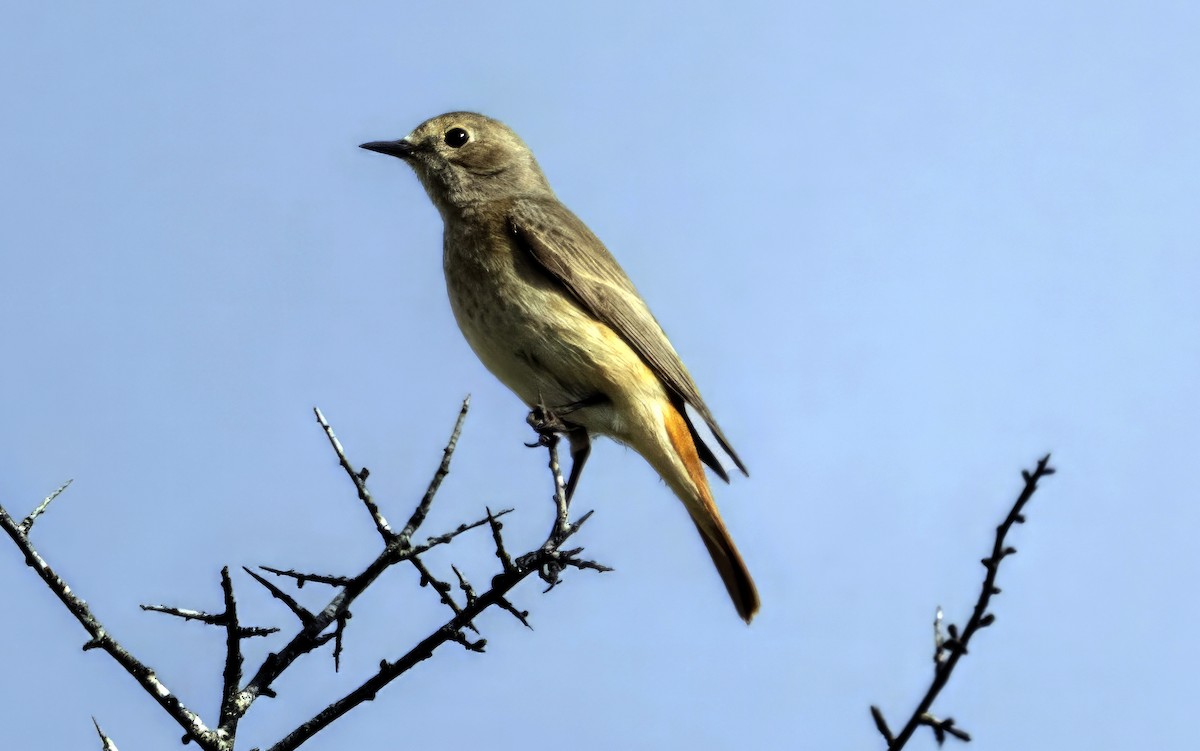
<point x="547" y="424"/>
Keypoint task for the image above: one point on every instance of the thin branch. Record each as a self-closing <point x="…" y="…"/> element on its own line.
<point x="520" y="615"/>
<point x="389" y="671"/>
<point x="328" y="624"/>
<point x="942" y="728"/>
<point x="545" y="558"/>
<point x="398" y="548"/>
<point x="106" y="743"/>
<point x="339" y="631"/>
<point x="465" y="586"/>
<point x="301" y="578"/>
<point x="27" y="522"/>
<point x="881" y="725"/>
<point x="562" y="504"/>
<point x="419" y="514"/>
<point x="306" y="640"/>
<point x="436" y="540"/>
<point x="212" y="619"/>
<point x="949" y="650"/>
<point x="100" y="639"/>
<point x="471" y="646"/>
<point x="358" y="477"/>
<point x="443" y="588"/>
<point x="297" y="609"/>
<point x="501" y="553"/>
<point x="232" y="675"/>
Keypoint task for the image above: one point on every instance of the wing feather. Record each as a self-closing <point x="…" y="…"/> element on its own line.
<point x="563" y="245"/>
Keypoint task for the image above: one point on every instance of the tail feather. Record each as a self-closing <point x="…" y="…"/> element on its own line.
<point x="732" y="568"/>
<point x="691" y="485"/>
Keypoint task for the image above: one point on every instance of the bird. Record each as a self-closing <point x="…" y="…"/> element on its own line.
<point x="549" y="311"/>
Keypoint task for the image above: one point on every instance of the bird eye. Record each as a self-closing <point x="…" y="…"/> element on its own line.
<point x="456" y="137"/>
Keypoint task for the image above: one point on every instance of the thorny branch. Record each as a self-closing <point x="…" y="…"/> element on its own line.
<point x="948" y="649"/>
<point x="317" y="628"/>
<point x="106" y="742"/>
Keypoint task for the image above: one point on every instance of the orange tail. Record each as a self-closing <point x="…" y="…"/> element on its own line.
<point x="693" y="490"/>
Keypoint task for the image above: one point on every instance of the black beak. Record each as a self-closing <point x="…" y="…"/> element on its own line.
<point x="401" y="149"/>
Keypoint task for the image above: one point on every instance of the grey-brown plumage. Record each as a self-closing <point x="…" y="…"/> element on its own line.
<point x="551" y="313"/>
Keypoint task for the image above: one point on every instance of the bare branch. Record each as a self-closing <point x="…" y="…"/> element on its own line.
<point x="212" y="619"/>
<point x="436" y="540"/>
<point x="232" y="676"/>
<point x="881" y="724"/>
<point x="389" y="671"/>
<point x="546" y="557"/>
<point x="520" y="615"/>
<point x="301" y="579"/>
<point x="942" y="728"/>
<point x="472" y="646"/>
<point x="299" y="611"/>
<point x="501" y="553"/>
<point x="947" y="651"/>
<point x="318" y="628"/>
<point x="106" y="743"/>
<point x="27" y="522"/>
<point x="442" y="588"/>
<point x="418" y="515"/>
<point x="464" y="585"/>
<point x="358" y="477"/>
<point x="100" y="639"/>
<point x="398" y="548"/>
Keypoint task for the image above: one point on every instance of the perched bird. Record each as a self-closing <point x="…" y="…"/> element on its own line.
<point x="551" y="314"/>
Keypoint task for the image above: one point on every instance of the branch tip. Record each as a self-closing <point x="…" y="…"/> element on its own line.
<point x="948" y="650"/>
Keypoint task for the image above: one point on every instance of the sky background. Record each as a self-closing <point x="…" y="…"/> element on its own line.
<point x="905" y="250"/>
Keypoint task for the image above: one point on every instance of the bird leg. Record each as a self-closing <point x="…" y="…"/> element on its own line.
<point x="581" y="448"/>
<point x="548" y="423"/>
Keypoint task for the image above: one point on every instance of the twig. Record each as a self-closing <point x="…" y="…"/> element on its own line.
<point x="232" y="676"/>
<point x="358" y="477"/>
<point x="418" y="515"/>
<point x="389" y="671"/>
<point x="501" y="553"/>
<point x="398" y="548"/>
<point x="297" y="609"/>
<point x="442" y="588"/>
<point x="443" y="539"/>
<point x="318" y="628"/>
<point x="100" y="639"/>
<point x="106" y="743"/>
<point x="301" y="578"/>
<point x="948" y="651"/>
<point x="339" y="630"/>
<point x="212" y="619"/>
<point x="27" y="522"/>
<point x="545" y="558"/>
<point x="464" y="585"/>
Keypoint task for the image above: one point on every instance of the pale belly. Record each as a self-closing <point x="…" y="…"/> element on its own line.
<point x="540" y="343"/>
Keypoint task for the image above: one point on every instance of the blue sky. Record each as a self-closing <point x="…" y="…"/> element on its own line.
<point x="904" y="249"/>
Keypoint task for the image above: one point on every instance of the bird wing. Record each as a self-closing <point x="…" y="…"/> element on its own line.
<point x="563" y="245"/>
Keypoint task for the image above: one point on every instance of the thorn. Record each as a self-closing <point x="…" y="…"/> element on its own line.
<point x="881" y="725"/>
